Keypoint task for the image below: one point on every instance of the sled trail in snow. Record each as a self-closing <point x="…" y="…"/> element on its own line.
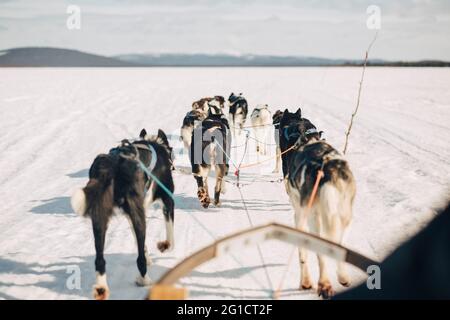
<point x="55" y="121"/>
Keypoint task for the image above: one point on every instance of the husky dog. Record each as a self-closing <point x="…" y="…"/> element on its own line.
<point x="201" y="104"/>
<point x="208" y="143"/>
<point x="260" y="119"/>
<point x="204" y="104"/>
<point x="331" y="211"/>
<point x="276" y="125"/>
<point x="191" y="120"/>
<point x="216" y="105"/>
<point x="116" y="181"/>
<point x="238" y="112"/>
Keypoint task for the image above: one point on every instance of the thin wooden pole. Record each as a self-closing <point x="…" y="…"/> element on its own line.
<point x="347" y="134"/>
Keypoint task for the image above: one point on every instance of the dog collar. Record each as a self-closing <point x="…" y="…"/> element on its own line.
<point x="311" y="131"/>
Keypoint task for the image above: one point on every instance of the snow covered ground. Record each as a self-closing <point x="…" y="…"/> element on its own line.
<point x="55" y="121"/>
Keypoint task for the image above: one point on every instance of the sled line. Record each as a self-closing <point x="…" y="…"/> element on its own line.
<point x="211" y="234"/>
<point x="164" y="287"/>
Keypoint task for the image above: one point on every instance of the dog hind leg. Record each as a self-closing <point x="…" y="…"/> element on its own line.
<point x="202" y="184"/>
<point x="133" y="206"/>
<point x="168" y="211"/>
<point x="324" y="289"/>
<point x="99" y="204"/>
<point x="301" y="223"/>
<point x="220" y="171"/>
<point x="330" y="228"/>
<point x="101" y="289"/>
<point x="223" y="189"/>
<point x="338" y="235"/>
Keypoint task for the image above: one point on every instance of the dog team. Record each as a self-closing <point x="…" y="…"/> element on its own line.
<point x="135" y="174"/>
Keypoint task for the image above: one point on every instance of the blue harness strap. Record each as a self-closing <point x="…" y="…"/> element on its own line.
<point x="147" y="170"/>
<point x="151" y="175"/>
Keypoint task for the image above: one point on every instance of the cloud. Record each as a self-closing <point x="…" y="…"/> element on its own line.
<point x="285" y="27"/>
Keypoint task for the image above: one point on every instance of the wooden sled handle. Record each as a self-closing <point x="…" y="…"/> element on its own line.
<point x="272" y="231"/>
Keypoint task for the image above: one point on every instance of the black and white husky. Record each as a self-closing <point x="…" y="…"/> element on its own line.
<point x="216" y="105"/>
<point x="331" y="211"/>
<point x="238" y="112"/>
<point x="204" y="104"/>
<point x="190" y="121"/>
<point x="261" y="121"/>
<point x="117" y="182"/>
<point x="210" y="141"/>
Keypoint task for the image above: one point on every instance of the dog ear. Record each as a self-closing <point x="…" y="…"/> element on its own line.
<point x="163" y="137"/>
<point x="143" y="134"/>
<point x="299" y="112"/>
<point x="285" y="115"/>
<point x="278" y="114"/>
<point x="209" y="112"/>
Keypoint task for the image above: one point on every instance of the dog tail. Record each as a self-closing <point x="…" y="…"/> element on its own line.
<point x="78" y="202"/>
<point x="96" y="199"/>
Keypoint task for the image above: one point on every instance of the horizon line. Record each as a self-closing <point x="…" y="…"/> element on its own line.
<point x="240" y="55"/>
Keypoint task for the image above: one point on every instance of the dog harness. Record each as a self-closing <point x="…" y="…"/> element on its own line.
<point x="290" y="132"/>
<point x="316" y="162"/>
<point x="130" y="151"/>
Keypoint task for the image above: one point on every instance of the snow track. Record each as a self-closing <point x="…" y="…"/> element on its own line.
<point x="55" y="121"/>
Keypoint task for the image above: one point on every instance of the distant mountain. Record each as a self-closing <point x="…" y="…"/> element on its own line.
<point x="227" y="60"/>
<point x="53" y="57"/>
<point x="210" y="60"/>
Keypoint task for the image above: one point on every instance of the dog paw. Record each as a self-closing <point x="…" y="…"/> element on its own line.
<point x="203" y="197"/>
<point x="101" y="292"/>
<point x="217" y="203"/>
<point x="163" y="245"/>
<point x="205" y="205"/>
<point x="143" y="281"/>
<point x="305" y="285"/>
<point x="325" y="290"/>
<point x="345" y="281"/>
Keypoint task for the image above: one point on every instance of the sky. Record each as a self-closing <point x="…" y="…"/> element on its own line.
<point x="409" y="29"/>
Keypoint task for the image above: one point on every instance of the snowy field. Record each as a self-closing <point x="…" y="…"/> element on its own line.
<point x="55" y="121"/>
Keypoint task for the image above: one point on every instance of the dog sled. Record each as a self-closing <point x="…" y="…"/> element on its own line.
<point x="165" y="288"/>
